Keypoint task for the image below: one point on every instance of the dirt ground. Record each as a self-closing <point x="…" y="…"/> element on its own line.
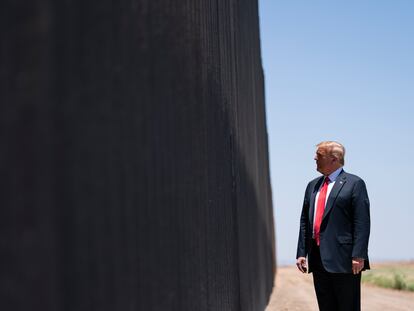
<point x="294" y="291"/>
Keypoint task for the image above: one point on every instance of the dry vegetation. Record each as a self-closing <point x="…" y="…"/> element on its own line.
<point x="398" y="275"/>
<point x="294" y="291"/>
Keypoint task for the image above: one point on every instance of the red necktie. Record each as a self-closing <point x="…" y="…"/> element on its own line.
<point x="320" y="209"/>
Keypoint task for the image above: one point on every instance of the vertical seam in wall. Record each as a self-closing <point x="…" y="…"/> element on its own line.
<point x="233" y="141"/>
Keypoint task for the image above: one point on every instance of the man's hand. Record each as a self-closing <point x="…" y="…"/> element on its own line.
<point x="301" y="264"/>
<point x="357" y="265"/>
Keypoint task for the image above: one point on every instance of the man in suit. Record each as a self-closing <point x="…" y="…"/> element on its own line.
<point x="334" y="231"/>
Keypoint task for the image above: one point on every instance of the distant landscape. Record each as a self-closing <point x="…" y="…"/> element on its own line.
<point x="395" y="275"/>
<point x="387" y="286"/>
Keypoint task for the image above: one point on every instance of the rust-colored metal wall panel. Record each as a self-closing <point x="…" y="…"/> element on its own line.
<point x="134" y="158"/>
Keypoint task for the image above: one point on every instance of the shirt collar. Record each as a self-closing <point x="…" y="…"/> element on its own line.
<point x="334" y="175"/>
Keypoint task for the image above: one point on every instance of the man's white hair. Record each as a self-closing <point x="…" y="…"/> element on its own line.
<point x="334" y="149"/>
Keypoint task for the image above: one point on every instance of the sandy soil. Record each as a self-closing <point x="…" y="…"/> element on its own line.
<point x="294" y="291"/>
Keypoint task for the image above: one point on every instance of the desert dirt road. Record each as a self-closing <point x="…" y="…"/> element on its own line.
<point x="294" y="291"/>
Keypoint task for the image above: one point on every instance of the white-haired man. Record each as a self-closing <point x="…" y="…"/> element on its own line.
<point x="334" y="231"/>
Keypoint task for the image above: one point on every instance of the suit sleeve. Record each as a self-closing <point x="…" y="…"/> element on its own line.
<point x="361" y="220"/>
<point x="302" y="249"/>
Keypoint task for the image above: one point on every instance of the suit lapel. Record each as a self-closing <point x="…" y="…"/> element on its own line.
<point x="339" y="183"/>
<point x="312" y="199"/>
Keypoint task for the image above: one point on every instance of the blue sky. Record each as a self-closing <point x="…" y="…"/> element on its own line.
<point x="342" y="70"/>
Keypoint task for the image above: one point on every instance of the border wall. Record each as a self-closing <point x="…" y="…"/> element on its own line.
<point x="134" y="158"/>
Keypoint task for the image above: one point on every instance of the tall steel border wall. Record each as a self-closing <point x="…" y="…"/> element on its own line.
<point x="134" y="158"/>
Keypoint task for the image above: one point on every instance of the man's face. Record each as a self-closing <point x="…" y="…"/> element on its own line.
<point x="325" y="163"/>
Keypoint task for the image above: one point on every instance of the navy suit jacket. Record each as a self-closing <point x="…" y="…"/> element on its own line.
<point x="345" y="227"/>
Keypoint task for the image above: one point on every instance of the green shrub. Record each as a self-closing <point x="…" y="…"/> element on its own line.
<point x="395" y="276"/>
<point x="399" y="282"/>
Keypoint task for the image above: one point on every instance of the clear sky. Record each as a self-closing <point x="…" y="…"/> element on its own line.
<point x="342" y="70"/>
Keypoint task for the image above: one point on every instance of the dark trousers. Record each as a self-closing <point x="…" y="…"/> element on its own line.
<point x="335" y="291"/>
